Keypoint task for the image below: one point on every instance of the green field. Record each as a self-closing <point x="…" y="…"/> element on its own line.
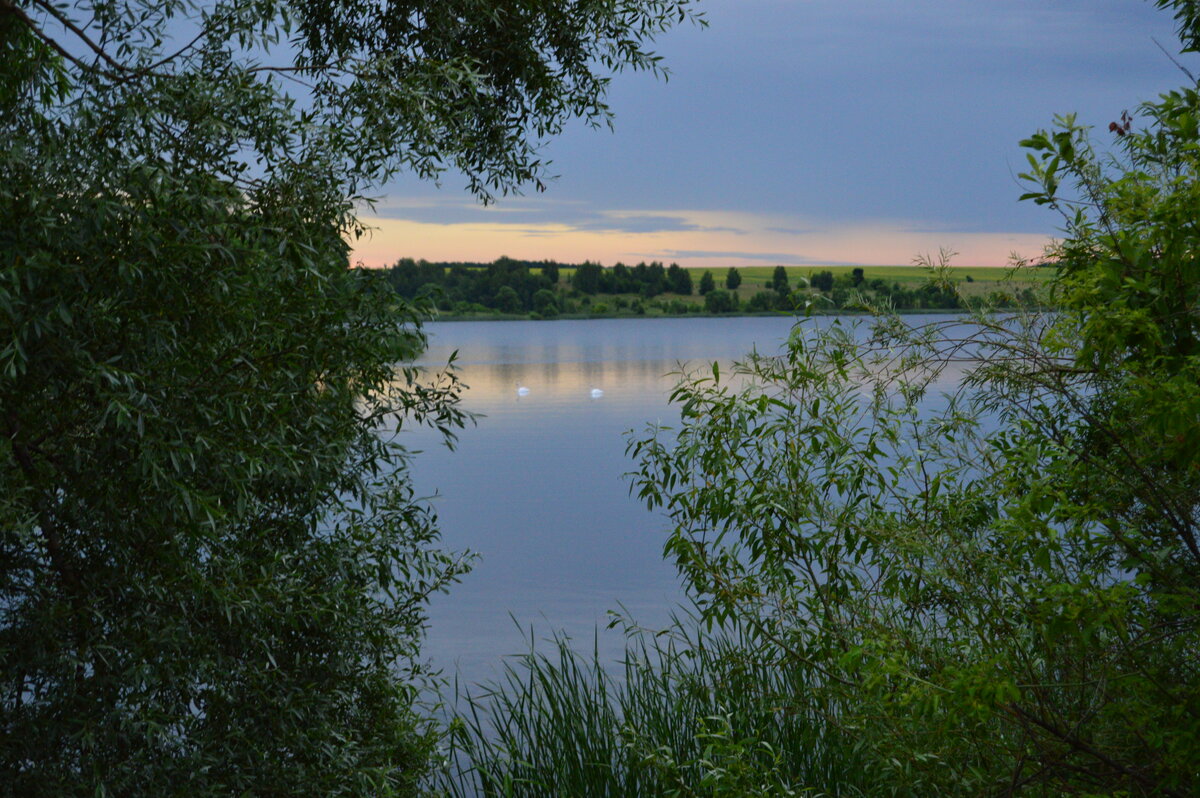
<point x="897" y="274"/>
<point x="973" y="280"/>
<point x="892" y="274"/>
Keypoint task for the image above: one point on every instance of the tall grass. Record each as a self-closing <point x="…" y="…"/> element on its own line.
<point x="686" y="713"/>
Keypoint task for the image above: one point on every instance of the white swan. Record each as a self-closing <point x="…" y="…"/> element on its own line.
<point x="597" y="393"/>
<point x="521" y="389"/>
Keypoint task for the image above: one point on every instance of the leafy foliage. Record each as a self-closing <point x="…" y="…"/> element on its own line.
<point x="1000" y="596"/>
<point x="991" y="591"/>
<point x="719" y="301"/>
<point x="212" y="572"/>
<point x="212" y="568"/>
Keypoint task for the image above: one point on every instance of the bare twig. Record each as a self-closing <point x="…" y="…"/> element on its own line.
<point x="1174" y="61"/>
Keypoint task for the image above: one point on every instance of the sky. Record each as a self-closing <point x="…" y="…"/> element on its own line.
<point x="811" y="132"/>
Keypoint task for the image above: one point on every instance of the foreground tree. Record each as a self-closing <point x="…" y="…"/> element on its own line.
<point x="212" y="570"/>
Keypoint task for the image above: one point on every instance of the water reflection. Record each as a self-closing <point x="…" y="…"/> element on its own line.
<point x="537" y="487"/>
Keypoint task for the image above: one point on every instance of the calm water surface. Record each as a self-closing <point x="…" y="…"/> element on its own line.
<point x="537" y="488"/>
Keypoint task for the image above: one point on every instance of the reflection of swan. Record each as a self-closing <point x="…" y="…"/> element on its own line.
<point x="521" y="389"/>
<point x="597" y="393"/>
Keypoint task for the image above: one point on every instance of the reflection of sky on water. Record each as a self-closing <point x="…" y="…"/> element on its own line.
<point x="537" y="487"/>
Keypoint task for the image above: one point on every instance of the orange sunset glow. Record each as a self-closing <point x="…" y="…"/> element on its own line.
<point x="709" y="240"/>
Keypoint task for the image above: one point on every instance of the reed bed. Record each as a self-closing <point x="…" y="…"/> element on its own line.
<point x="682" y="714"/>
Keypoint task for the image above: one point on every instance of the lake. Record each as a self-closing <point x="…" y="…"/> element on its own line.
<point x="537" y="488"/>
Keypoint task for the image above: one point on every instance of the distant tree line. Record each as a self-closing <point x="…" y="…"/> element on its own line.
<point x="505" y="285"/>
<point x="647" y="279"/>
<point x="520" y="287"/>
<point x="846" y="290"/>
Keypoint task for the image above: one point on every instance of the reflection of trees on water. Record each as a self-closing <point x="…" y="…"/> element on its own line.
<point x="558" y="359"/>
<point x="494" y="382"/>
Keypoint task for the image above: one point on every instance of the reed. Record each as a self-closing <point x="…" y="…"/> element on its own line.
<point x="684" y="713"/>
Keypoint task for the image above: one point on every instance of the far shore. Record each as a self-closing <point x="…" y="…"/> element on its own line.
<point x="453" y="317"/>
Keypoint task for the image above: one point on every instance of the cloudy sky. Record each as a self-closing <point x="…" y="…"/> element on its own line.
<point x="812" y="132"/>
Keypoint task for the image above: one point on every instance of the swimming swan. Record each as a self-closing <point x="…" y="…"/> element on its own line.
<point x="521" y="389"/>
<point x="597" y="393"/>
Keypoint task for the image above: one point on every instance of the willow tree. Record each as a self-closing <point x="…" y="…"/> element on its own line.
<point x="212" y="568"/>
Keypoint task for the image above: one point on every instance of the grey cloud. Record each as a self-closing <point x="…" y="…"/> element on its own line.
<point x="797" y="231"/>
<point x="569" y="214"/>
<point x="773" y="257"/>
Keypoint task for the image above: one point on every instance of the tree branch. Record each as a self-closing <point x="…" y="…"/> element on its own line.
<point x="1083" y="748"/>
<point x="8" y="8"/>
<point x="78" y="31"/>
